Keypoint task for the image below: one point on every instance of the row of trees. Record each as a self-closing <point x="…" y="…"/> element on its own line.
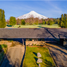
<point x="48" y="21"/>
<point x="13" y="21"/>
<point x="29" y="21"/>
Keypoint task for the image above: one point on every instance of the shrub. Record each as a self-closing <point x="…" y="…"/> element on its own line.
<point x="4" y="46"/>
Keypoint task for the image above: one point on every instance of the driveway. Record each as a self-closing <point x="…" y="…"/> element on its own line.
<point x="14" y="57"/>
<point x="59" y="54"/>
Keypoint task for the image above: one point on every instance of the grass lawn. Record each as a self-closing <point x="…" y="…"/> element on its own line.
<point x="31" y="57"/>
<point x="3" y="49"/>
<point x="37" y="26"/>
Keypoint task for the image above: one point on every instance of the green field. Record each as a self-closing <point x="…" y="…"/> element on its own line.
<point x="35" y="26"/>
<point x="31" y="57"/>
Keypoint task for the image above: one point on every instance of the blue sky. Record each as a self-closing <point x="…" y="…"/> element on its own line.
<point x="50" y="8"/>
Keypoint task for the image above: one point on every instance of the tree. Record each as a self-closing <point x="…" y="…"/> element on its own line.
<point x="63" y="21"/>
<point x="18" y="21"/>
<point x="43" y="22"/>
<point x="36" y="22"/>
<point x="2" y="19"/>
<point x="62" y="17"/>
<point x="23" y="22"/>
<point x="12" y="20"/>
<point x="46" y="22"/>
<point x="50" y="22"/>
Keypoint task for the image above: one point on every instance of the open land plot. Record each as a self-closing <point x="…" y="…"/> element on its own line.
<point x="35" y="26"/>
<point x="31" y="57"/>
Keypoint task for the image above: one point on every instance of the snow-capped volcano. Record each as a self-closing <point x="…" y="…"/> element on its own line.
<point x="32" y="14"/>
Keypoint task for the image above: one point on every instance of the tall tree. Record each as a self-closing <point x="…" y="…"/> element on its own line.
<point x="63" y="21"/>
<point x="43" y="22"/>
<point x="46" y="22"/>
<point x="2" y="19"/>
<point x="23" y="22"/>
<point x="62" y="17"/>
<point x="12" y="20"/>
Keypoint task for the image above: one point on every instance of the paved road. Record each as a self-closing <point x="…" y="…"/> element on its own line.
<point x="14" y="57"/>
<point x="59" y="54"/>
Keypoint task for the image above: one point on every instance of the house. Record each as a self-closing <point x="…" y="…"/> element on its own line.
<point x="31" y="36"/>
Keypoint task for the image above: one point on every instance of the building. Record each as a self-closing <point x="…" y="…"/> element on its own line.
<point x="31" y="36"/>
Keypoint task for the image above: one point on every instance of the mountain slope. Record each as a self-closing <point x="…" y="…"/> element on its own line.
<point x="32" y="14"/>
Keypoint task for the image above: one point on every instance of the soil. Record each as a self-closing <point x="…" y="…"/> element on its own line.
<point x="14" y="56"/>
<point x="59" y="54"/>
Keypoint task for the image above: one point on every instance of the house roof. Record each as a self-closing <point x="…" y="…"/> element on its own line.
<point x="33" y="33"/>
<point x="58" y="33"/>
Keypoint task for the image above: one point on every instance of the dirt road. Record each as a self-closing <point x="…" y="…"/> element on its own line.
<point x="59" y="54"/>
<point x="14" y="57"/>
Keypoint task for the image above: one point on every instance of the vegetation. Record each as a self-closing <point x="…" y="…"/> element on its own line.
<point x="31" y="57"/>
<point x="3" y="49"/>
<point x="43" y="22"/>
<point x="37" y="26"/>
<point x="12" y="20"/>
<point x="18" y="21"/>
<point x="23" y="22"/>
<point x="2" y="19"/>
<point x="50" y="22"/>
<point x="63" y="21"/>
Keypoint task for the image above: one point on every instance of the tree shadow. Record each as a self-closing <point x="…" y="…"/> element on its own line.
<point x="9" y="25"/>
<point x="50" y="33"/>
<point x="48" y="63"/>
<point x="35" y="58"/>
<point x="1" y="53"/>
<point x="35" y="53"/>
<point x="58" y="33"/>
<point x="40" y="26"/>
<point x="6" y="63"/>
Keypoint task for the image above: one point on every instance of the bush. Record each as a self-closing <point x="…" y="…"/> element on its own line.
<point x="3" y="46"/>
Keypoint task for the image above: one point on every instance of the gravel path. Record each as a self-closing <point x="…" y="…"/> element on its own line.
<point x="14" y="57"/>
<point x="59" y="54"/>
